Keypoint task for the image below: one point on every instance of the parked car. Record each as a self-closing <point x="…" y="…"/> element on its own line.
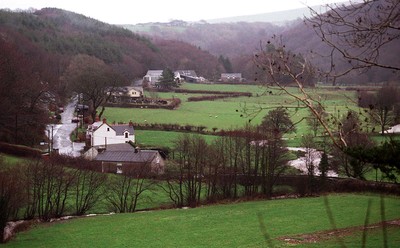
<point x="81" y="107"/>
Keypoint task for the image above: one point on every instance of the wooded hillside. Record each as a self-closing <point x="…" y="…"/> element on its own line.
<point x="66" y="33"/>
<point x="239" y="41"/>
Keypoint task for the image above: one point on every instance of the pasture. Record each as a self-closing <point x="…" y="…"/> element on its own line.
<point x="245" y="224"/>
<point x="232" y="112"/>
<point x="229" y="113"/>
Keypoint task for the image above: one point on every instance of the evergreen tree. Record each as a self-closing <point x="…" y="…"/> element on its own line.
<point x="323" y="165"/>
<point x="167" y="80"/>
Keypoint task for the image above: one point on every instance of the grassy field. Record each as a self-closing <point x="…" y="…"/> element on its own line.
<point x="150" y="138"/>
<point x="230" y="225"/>
<point x="10" y="160"/>
<point x="226" y="113"/>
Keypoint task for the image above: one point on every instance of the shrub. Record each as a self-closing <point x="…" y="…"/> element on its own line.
<point x="19" y="150"/>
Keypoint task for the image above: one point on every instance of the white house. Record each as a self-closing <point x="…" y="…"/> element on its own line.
<point x="152" y="76"/>
<point x="231" y="77"/>
<point x="125" y="94"/>
<point x="103" y="134"/>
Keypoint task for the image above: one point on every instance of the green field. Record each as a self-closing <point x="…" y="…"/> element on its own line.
<point x="226" y="113"/>
<point x="149" y="138"/>
<point x="230" y="225"/>
<point x="9" y="160"/>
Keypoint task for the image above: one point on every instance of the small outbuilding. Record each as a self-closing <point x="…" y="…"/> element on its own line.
<point x="124" y="158"/>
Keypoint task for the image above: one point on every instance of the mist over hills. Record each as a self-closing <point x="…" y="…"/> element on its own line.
<point x="238" y="38"/>
<point x="133" y="49"/>
<point x="276" y="18"/>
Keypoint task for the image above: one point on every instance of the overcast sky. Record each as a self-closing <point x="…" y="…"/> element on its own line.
<point x="141" y="11"/>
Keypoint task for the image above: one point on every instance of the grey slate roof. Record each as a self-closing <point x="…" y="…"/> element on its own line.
<point x="120" y="147"/>
<point x="187" y="73"/>
<point x="154" y="73"/>
<point x="144" y="156"/>
<point x="120" y="129"/>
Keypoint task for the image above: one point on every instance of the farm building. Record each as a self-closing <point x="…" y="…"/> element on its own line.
<point x="152" y="76"/>
<point x="103" y="134"/>
<point x="231" y="77"/>
<point x="125" y="94"/>
<point x="124" y="158"/>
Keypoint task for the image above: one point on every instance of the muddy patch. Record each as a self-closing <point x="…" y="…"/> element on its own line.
<point x="333" y="234"/>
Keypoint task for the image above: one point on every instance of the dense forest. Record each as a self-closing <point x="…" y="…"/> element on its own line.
<point x="66" y="33"/>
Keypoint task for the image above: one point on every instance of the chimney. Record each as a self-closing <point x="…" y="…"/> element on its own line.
<point x="104" y="120"/>
<point x="137" y="149"/>
<point x="130" y="124"/>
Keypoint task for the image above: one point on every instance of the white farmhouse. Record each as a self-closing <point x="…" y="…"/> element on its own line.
<point x="152" y="76"/>
<point x="103" y="134"/>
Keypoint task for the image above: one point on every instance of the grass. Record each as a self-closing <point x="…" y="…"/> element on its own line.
<point x="10" y="161"/>
<point x="226" y="113"/>
<point x="374" y="239"/>
<point x="230" y="225"/>
<point x="153" y="138"/>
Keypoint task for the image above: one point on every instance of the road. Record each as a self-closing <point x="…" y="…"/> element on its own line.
<point x="62" y="133"/>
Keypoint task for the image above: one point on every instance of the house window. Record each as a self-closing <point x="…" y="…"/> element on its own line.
<point x="108" y="129"/>
<point x="119" y="168"/>
<point x="126" y="135"/>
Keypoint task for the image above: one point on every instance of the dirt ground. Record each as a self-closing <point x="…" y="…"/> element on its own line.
<point x="332" y="234"/>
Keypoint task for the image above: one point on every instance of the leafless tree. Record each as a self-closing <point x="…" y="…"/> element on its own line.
<point x="23" y="95"/>
<point x="274" y="163"/>
<point x="382" y="111"/>
<point x="355" y="140"/>
<point x="94" y="79"/>
<point x="125" y="190"/>
<point x="47" y="185"/>
<point x="11" y="195"/>
<point x="89" y="185"/>
<point x="359" y="33"/>
<point x="191" y="152"/>
<point x="278" y="120"/>
<point x="282" y="62"/>
<point x="312" y="120"/>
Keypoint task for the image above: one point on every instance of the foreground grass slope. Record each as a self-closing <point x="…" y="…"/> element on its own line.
<point x="231" y="225"/>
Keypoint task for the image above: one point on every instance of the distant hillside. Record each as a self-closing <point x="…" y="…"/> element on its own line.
<point x="276" y="18"/>
<point x="228" y="39"/>
<point x="238" y="38"/>
<point x="66" y="34"/>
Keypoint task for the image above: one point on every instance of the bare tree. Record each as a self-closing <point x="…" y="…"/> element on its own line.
<point x="312" y="120"/>
<point x="47" y="185"/>
<point x="356" y="141"/>
<point x="282" y="62"/>
<point x="274" y="161"/>
<point x="382" y="111"/>
<point x="125" y="190"/>
<point x="23" y="95"/>
<point x="89" y="186"/>
<point x="94" y="79"/>
<point x="191" y="160"/>
<point x="278" y="120"/>
<point x="11" y="195"/>
<point x="358" y="33"/>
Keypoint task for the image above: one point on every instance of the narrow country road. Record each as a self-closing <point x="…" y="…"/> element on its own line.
<point x="62" y="132"/>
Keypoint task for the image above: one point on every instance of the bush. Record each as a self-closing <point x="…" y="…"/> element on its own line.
<point x="19" y="150"/>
